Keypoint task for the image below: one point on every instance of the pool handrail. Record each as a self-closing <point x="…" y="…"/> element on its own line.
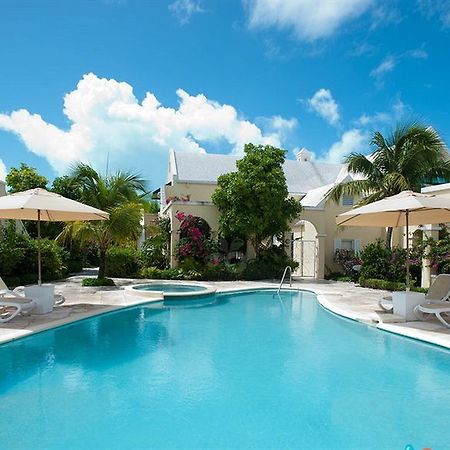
<point x="284" y="276"/>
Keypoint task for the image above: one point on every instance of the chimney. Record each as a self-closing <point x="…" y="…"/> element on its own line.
<point x="303" y="155"/>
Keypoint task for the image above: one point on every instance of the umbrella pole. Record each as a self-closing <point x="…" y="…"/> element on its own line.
<point x="39" y="246"/>
<point x="407" y="250"/>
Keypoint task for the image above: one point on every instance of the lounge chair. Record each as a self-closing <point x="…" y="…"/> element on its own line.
<point x="437" y="300"/>
<point x="439" y="291"/>
<point x="12" y="303"/>
<point x="18" y="292"/>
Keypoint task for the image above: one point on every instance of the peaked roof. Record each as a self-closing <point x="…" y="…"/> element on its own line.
<point x="205" y="168"/>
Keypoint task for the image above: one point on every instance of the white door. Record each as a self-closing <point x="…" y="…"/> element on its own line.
<point x="305" y="253"/>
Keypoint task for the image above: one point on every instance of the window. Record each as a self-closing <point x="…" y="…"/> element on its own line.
<point x="347" y="200"/>
<point x="347" y="244"/>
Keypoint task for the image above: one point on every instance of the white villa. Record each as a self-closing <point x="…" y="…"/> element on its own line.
<point x="192" y="178"/>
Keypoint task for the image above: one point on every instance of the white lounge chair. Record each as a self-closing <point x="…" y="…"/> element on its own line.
<point x="18" y="293"/>
<point x="12" y="303"/>
<point x="439" y="291"/>
<point x="437" y="300"/>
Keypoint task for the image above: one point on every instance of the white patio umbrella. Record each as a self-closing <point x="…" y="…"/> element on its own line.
<point x="41" y="205"/>
<point x="404" y="209"/>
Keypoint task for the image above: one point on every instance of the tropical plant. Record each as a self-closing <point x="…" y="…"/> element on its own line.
<point x="412" y="156"/>
<point x="24" y="178"/>
<point x="121" y="195"/>
<point x="155" y="249"/>
<point x="254" y="201"/>
<point x="195" y="245"/>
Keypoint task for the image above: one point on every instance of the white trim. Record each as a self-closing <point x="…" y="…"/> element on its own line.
<point x="436" y="188"/>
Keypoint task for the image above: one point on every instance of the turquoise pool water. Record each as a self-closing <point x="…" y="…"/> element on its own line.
<point x="167" y="287"/>
<point x="251" y="371"/>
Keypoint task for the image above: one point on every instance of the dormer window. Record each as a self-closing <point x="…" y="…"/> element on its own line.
<point x="347" y="200"/>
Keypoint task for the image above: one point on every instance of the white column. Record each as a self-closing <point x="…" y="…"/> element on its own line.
<point x="429" y="231"/>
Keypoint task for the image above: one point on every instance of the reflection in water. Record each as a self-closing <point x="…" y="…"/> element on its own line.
<point x="93" y="344"/>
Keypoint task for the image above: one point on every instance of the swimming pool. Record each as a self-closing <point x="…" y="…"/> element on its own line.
<point x="251" y="371"/>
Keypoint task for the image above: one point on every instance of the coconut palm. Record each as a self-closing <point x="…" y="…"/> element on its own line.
<point x="410" y="158"/>
<point x="122" y="195"/>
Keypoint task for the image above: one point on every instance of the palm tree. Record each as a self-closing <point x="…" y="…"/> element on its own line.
<point x="410" y="158"/>
<point x="122" y="195"/>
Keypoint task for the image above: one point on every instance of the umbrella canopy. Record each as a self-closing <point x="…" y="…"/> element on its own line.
<point x="420" y="209"/>
<point x="51" y="207"/>
<point x="41" y="205"/>
<point x="404" y="209"/>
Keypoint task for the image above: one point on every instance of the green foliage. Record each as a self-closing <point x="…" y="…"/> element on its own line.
<point x="155" y="249"/>
<point x="24" y="178"/>
<point x="68" y="187"/>
<point x="122" y="262"/>
<point x="437" y="251"/>
<point x="270" y="264"/>
<point x="379" y="262"/>
<point x="253" y="201"/>
<point x="120" y="195"/>
<point x="209" y="272"/>
<point x="97" y="282"/>
<point x="386" y="285"/>
<point x="18" y="258"/>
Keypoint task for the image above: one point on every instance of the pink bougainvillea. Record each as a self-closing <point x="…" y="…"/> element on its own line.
<point x="194" y="239"/>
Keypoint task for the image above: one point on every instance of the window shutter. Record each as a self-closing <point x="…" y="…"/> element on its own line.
<point x="357" y="246"/>
<point x="337" y="244"/>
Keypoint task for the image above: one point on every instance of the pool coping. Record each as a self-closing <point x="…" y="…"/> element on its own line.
<point x="132" y="290"/>
<point x="401" y="329"/>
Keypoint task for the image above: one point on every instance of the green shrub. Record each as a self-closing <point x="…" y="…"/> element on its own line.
<point x="97" y="282"/>
<point x="388" y="285"/>
<point x="19" y="258"/>
<point x="270" y="264"/>
<point x="122" y="262"/>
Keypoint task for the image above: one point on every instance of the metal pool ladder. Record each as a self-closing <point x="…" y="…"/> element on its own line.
<point x="284" y="276"/>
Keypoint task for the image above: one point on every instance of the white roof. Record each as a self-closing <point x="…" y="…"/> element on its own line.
<point x="301" y="176"/>
<point x="316" y="196"/>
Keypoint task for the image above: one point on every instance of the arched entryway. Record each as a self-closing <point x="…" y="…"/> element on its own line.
<point x="304" y="248"/>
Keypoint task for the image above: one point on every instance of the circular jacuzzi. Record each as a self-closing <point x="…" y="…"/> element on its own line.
<point x="171" y="289"/>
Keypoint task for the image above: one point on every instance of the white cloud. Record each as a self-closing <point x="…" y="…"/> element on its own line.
<point x="387" y="65"/>
<point x="353" y="140"/>
<point x="2" y="170"/>
<point x="308" y="19"/>
<point x="183" y="10"/>
<point x="323" y="103"/>
<point x="418" y="53"/>
<point x="106" y="120"/>
<point x="439" y="8"/>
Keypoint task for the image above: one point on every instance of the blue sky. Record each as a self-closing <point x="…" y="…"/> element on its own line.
<point x="129" y="79"/>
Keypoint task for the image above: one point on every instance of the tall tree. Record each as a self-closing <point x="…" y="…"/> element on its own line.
<point x="24" y="178"/>
<point x="254" y="201"/>
<point x="411" y="157"/>
<point x="121" y="196"/>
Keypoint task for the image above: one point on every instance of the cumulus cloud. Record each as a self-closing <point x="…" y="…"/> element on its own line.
<point x="308" y="19"/>
<point x="2" y="170"/>
<point x="323" y="103"/>
<point x="107" y="120"/>
<point x="353" y="140"/>
<point x="183" y="10"/>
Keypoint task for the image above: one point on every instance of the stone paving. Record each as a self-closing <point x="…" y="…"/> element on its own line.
<point x="346" y="299"/>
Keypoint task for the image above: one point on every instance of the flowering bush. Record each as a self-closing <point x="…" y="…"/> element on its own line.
<point x="195" y="242"/>
<point x="347" y="259"/>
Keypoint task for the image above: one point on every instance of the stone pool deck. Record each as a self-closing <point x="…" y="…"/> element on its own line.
<point x="345" y="299"/>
